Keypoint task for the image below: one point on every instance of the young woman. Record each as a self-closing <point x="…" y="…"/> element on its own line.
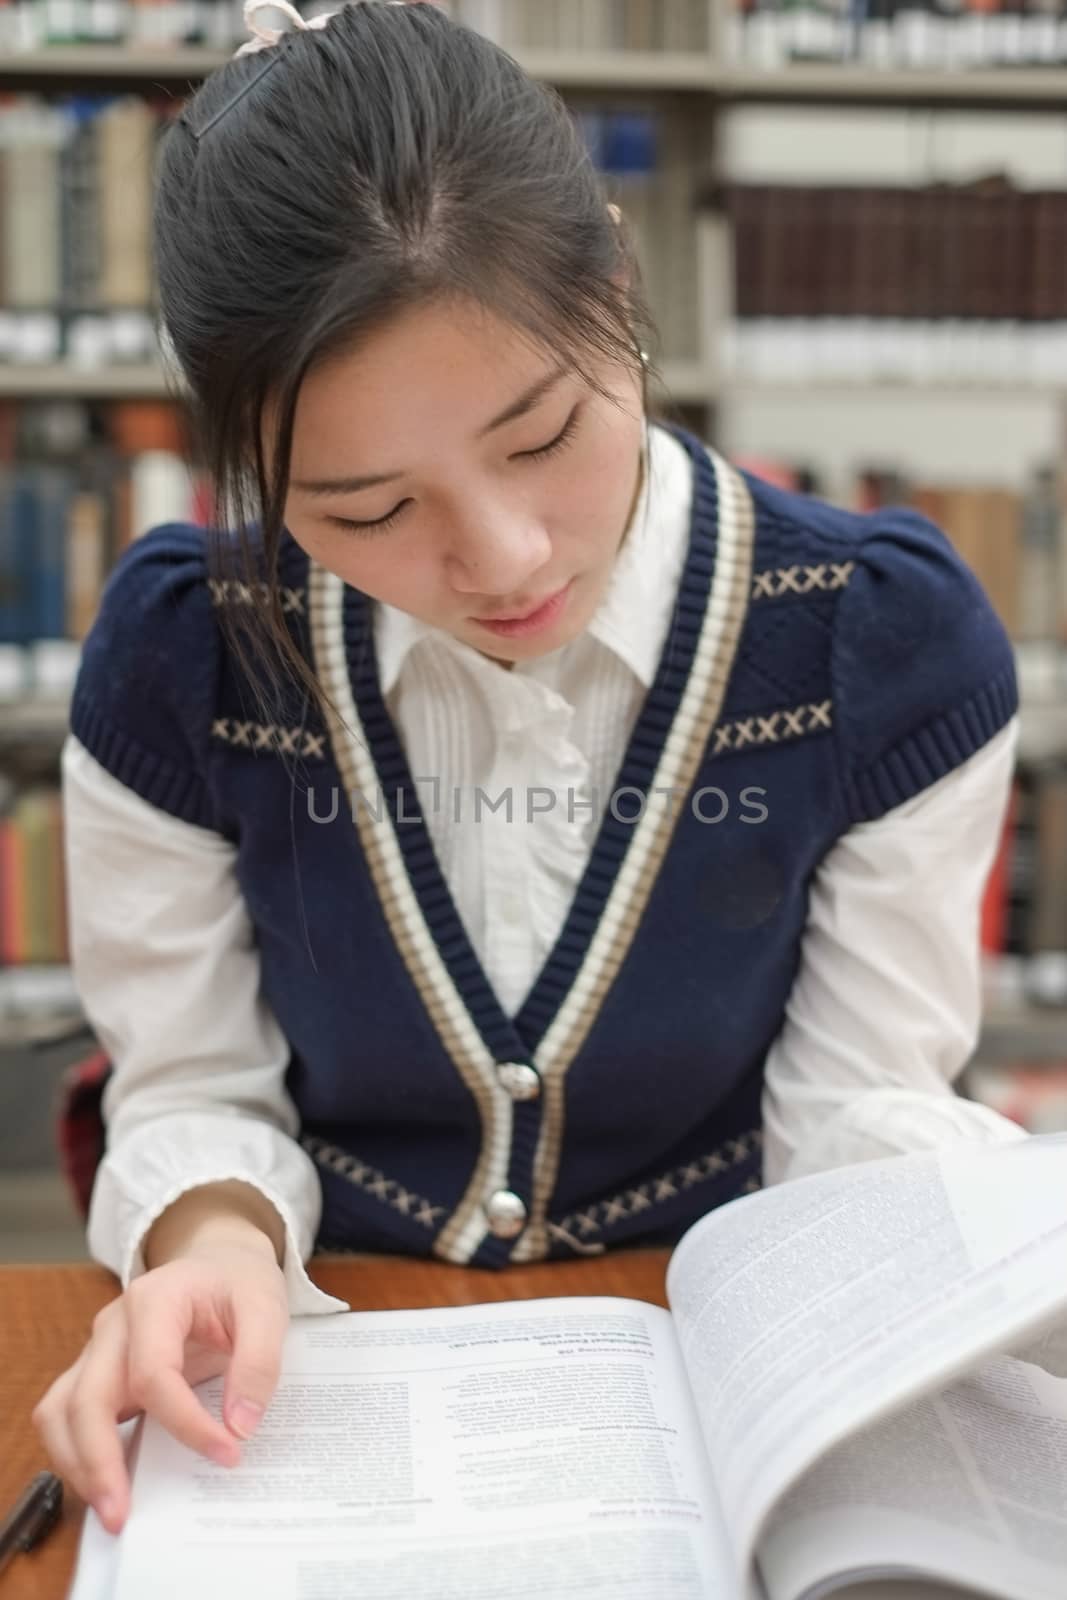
<point x="514" y="831"/>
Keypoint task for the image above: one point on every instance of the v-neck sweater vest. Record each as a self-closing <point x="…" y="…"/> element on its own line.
<point x="820" y="668"/>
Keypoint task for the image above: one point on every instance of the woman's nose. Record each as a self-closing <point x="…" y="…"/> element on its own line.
<point x="497" y="556"/>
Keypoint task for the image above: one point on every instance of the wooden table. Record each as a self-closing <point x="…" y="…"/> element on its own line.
<point x="46" y="1314"/>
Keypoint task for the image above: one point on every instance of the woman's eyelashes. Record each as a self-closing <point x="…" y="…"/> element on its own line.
<point x="553" y="447"/>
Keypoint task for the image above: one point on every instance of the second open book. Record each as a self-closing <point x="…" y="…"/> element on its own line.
<point x="830" y="1401"/>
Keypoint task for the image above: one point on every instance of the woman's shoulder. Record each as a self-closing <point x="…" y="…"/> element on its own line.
<point x="146" y="685"/>
<point x="921" y="668"/>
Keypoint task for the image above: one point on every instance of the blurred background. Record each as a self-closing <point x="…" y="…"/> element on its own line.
<point x="851" y="216"/>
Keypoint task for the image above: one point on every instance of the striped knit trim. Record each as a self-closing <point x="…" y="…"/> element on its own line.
<point x="179" y="790"/>
<point x="943" y="745"/>
<point x="467" y="1227"/>
<point x="672" y="733"/>
<point x="683" y="749"/>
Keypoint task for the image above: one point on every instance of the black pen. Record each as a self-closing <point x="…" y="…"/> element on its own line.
<point x="34" y="1514"/>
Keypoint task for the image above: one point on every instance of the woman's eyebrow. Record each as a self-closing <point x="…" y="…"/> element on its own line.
<point x="526" y="401"/>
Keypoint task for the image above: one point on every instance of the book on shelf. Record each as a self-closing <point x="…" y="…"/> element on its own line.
<point x="909" y="35"/>
<point x="75" y="220"/>
<point x="1024" y="908"/>
<point x="861" y="1376"/>
<point x="551" y="25"/>
<point x="33" y="911"/>
<point x="943" y="282"/>
<point x="64" y="521"/>
<point x="647" y="164"/>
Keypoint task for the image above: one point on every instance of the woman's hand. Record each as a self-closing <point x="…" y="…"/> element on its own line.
<point x="221" y="1307"/>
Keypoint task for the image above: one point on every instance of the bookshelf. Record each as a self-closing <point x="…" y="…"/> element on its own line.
<point x="698" y="88"/>
<point x="61" y="69"/>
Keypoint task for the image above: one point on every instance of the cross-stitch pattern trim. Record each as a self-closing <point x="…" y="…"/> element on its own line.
<point x="363" y="1176"/>
<point x="257" y="736"/>
<point x="232" y="592"/>
<point x="603" y="1214"/>
<point x="777" y="581"/>
<point x="762" y="729"/>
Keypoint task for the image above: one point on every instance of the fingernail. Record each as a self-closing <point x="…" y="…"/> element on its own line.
<point x="245" y="1417"/>
<point x="107" y="1508"/>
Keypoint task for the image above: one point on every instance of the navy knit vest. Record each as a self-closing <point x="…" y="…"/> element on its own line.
<point x="820" y="668"/>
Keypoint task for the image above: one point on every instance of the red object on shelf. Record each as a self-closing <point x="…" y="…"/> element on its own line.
<point x="79" y="1130"/>
<point x="994" y="920"/>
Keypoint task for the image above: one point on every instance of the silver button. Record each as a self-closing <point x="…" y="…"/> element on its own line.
<point x="506" y="1213"/>
<point x="521" y="1081"/>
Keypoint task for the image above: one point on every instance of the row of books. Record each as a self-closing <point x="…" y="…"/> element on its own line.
<point x="75" y="221"/>
<point x="33" y="912"/>
<point x="984" y="250"/>
<point x="68" y="506"/>
<point x="931" y="35"/>
<point x="1024" y="911"/>
<point x="531" y="24"/>
<point x="75" y="202"/>
<point x="969" y="355"/>
<point x="84" y="341"/>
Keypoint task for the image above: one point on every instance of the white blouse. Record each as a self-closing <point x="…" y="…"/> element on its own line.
<point x="884" y="1012"/>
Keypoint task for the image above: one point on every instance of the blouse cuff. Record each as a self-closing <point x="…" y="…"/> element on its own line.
<point x="152" y="1166"/>
<point x="888" y="1122"/>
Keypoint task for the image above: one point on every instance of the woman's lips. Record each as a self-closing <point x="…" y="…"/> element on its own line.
<point x="534" y="621"/>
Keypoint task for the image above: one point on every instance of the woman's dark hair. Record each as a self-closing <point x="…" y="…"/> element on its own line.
<point x="390" y="158"/>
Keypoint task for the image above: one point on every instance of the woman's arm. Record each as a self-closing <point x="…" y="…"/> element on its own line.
<point x="198" y="1117"/>
<point x="886" y="1007"/>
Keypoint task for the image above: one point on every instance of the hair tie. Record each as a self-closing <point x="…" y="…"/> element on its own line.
<point x="263" y="38"/>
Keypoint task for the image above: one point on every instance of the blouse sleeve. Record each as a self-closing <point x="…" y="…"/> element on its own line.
<point x="885" y="1009"/>
<point x="166" y="967"/>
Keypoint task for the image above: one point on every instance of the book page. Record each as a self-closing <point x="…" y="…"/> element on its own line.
<point x="811" y="1309"/>
<point x="97" y="1569"/>
<point x="514" y="1451"/>
<point x="969" y="1484"/>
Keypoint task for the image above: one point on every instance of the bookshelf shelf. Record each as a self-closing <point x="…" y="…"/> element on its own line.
<point x="1043" y="730"/>
<point x="1026" y="1033"/>
<point x="689" y="71"/>
<point x="985" y="392"/>
<point x="38" y="1004"/>
<point x="34" y="720"/>
<point x="62" y="67"/>
<point x="687" y="382"/>
<point x="69" y="66"/>
<point x="59" y="382"/>
<point x="114" y="67"/>
<point x="1036" y="88"/>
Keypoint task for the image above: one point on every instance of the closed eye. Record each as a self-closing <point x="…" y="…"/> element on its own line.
<point x="383" y="524"/>
<point x="562" y="439"/>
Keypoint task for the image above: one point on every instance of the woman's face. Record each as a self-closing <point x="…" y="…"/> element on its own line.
<point x="490" y="509"/>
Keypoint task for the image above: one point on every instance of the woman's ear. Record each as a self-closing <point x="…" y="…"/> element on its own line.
<point x="623" y="277"/>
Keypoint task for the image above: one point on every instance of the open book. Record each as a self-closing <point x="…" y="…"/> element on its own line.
<point x="860" y="1387"/>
